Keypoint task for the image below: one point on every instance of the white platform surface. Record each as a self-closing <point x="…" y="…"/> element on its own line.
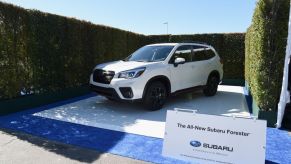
<point x="133" y="118"/>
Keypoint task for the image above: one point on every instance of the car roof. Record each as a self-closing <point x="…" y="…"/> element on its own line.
<point x="175" y="44"/>
<point x="163" y="44"/>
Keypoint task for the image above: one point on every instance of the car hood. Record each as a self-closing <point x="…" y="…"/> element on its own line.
<point x="119" y="66"/>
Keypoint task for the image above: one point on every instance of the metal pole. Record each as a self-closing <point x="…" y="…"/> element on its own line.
<point x="167" y="28"/>
<point x="166" y="23"/>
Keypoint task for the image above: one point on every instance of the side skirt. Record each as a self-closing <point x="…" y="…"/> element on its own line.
<point x="187" y="90"/>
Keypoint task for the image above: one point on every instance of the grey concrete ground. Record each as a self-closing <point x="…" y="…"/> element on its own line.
<point x="22" y="148"/>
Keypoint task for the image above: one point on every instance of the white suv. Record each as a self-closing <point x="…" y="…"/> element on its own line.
<point x="156" y="71"/>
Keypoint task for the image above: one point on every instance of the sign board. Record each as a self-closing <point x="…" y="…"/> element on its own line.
<point x="214" y="139"/>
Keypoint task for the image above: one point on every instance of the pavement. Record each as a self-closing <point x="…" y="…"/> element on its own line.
<point x="17" y="147"/>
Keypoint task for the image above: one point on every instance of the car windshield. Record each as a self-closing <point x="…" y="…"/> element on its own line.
<point x="150" y="54"/>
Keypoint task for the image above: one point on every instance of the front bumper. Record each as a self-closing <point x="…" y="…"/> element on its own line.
<point x="107" y="92"/>
<point x="121" y="89"/>
<point x="111" y="93"/>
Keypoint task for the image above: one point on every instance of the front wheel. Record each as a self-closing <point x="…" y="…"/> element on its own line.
<point x="211" y="86"/>
<point x="155" y="96"/>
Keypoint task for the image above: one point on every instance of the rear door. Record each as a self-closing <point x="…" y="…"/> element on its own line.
<point x="202" y="63"/>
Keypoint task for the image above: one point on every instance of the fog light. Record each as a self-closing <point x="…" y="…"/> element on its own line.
<point x="126" y="92"/>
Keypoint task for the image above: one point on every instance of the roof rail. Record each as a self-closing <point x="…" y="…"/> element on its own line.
<point x="190" y="41"/>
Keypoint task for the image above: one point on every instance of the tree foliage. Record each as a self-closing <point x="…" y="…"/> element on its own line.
<point x="265" y="47"/>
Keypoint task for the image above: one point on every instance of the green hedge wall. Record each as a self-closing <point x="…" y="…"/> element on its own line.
<point x="42" y="52"/>
<point x="230" y="47"/>
<point x="265" y="46"/>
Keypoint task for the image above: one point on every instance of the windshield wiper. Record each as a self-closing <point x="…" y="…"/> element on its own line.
<point x="141" y="60"/>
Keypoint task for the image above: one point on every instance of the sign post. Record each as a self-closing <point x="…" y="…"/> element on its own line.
<point x="214" y="139"/>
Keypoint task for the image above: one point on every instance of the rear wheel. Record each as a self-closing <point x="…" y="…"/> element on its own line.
<point x="211" y="86"/>
<point x="155" y="96"/>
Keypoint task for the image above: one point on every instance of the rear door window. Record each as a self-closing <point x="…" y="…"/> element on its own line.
<point x="202" y="53"/>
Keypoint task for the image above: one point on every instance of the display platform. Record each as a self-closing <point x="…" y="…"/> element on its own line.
<point x="129" y="130"/>
<point x="99" y="112"/>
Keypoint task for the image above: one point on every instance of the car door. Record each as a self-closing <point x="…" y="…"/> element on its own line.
<point x="201" y="60"/>
<point x="181" y="74"/>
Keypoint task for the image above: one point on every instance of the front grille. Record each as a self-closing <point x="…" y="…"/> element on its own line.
<point x="102" y="76"/>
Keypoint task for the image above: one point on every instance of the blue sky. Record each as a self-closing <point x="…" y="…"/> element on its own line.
<point x="147" y="16"/>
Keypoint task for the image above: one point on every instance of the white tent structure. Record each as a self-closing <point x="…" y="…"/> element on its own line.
<point x="285" y="94"/>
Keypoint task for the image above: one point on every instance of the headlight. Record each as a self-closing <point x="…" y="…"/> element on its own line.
<point x="134" y="73"/>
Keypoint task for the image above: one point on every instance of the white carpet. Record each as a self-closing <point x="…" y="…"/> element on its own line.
<point x="133" y="118"/>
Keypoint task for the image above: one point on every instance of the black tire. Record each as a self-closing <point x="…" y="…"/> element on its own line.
<point x="155" y="97"/>
<point x="211" y="86"/>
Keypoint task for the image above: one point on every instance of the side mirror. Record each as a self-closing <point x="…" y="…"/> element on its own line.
<point x="179" y="61"/>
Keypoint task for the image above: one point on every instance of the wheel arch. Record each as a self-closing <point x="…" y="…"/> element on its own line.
<point x="164" y="79"/>
<point x="214" y="73"/>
